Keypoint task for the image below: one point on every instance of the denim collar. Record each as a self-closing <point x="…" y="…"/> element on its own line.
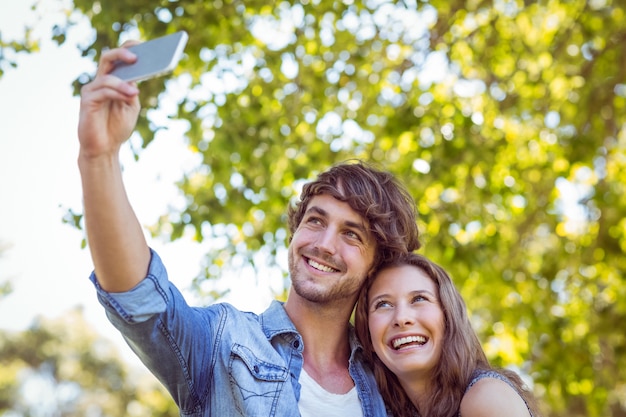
<point x="275" y="322"/>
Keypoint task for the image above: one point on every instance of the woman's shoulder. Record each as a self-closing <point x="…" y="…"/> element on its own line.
<point x="490" y="393"/>
<point x="480" y="374"/>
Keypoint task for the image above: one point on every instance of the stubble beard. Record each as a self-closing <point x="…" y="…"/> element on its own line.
<point x="337" y="290"/>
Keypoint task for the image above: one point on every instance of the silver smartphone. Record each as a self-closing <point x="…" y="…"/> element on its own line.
<point x="154" y="57"/>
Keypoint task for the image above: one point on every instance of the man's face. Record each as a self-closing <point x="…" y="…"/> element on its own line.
<point x="331" y="251"/>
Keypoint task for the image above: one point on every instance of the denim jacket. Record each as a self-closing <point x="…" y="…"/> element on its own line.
<point x="217" y="360"/>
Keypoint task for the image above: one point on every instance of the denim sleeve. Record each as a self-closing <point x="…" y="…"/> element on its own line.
<point x="169" y="337"/>
<point x="146" y="299"/>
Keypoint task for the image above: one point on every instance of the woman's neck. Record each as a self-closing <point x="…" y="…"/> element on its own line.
<point x="417" y="389"/>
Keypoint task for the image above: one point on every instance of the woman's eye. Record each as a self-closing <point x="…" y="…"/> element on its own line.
<point x="381" y="304"/>
<point x="419" y="298"/>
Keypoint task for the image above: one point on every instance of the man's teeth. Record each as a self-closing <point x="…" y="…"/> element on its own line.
<point x="397" y="343"/>
<point x="321" y="267"/>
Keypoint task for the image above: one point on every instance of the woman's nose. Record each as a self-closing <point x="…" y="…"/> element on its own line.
<point x="403" y="317"/>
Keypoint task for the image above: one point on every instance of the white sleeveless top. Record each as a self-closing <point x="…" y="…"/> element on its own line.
<point x="315" y="401"/>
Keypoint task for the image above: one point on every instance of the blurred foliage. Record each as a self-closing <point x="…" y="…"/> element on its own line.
<point x="61" y="367"/>
<point x="10" y="48"/>
<point x="5" y="283"/>
<point x="505" y="119"/>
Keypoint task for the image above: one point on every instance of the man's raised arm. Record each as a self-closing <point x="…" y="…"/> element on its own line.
<point x="108" y="113"/>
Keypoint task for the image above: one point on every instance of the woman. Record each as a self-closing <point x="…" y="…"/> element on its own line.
<point x="427" y="359"/>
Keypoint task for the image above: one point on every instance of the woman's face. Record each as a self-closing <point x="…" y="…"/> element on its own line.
<point x="406" y="321"/>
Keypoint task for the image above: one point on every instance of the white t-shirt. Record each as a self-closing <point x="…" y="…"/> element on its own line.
<point x="315" y="401"/>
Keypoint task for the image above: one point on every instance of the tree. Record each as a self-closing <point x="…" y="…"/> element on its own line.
<point x="5" y="286"/>
<point x="506" y="120"/>
<point x="61" y="367"/>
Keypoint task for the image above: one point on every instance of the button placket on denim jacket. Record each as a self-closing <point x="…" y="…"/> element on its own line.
<point x="217" y="360"/>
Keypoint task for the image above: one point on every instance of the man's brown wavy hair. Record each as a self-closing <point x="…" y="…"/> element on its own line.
<point x="376" y="195"/>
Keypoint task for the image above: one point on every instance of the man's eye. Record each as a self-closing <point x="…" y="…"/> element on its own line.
<point x="353" y="235"/>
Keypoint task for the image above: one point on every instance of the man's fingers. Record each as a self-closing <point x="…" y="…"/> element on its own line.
<point x="109" y="88"/>
<point x="110" y="58"/>
<point x="112" y="82"/>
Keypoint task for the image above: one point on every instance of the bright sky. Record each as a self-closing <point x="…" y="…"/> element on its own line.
<point x="39" y="180"/>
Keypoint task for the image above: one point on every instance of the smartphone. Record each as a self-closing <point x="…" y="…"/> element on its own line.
<point x="154" y="58"/>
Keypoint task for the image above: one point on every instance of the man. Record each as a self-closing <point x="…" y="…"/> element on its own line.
<point x="297" y="358"/>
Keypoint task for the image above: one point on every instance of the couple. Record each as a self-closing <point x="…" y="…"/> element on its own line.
<point x="301" y="357"/>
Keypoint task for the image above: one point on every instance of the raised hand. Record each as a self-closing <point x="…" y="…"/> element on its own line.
<point x="109" y="108"/>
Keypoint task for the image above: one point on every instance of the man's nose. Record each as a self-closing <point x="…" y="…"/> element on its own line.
<point x="327" y="241"/>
